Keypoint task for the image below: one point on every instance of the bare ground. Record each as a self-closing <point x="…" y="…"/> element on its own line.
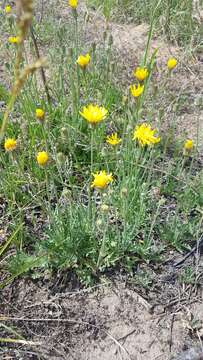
<point x="116" y="319"/>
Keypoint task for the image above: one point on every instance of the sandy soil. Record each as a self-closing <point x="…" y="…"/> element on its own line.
<point x="110" y="321"/>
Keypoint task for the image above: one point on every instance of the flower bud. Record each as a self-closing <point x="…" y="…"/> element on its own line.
<point x="104" y="208"/>
<point x="124" y="191"/>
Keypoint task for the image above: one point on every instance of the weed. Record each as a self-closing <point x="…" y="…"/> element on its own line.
<point x="111" y="187"/>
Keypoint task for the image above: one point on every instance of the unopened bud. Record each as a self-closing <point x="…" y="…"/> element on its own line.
<point x="99" y="222"/>
<point x="104" y="208"/>
<point x="124" y="191"/>
<point x="60" y="157"/>
<point x="64" y="134"/>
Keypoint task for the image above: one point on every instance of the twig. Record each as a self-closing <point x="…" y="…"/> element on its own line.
<point x="191" y="252"/>
<point x="171" y="333"/>
<point x="19" y="341"/>
<point x="42" y="72"/>
<point x="66" y="294"/>
<point x="128" y="334"/>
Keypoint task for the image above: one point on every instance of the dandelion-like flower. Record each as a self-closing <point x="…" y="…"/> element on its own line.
<point x="136" y="91"/>
<point x="14" y="39"/>
<point x="171" y="63"/>
<point x="145" y="135"/>
<point x="39" y="113"/>
<point x="141" y="73"/>
<point x="10" y="144"/>
<point x="73" y="3"/>
<point x="188" y="145"/>
<point x="42" y="158"/>
<point x="7" y="9"/>
<point x="101" y="180"/>
<point x="113" y="139"/>
<point x="83" y="60"/>
<point x="93" y="113"/>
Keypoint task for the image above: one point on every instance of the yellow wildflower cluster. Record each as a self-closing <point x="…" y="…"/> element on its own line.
<point x="7" y="9"/>
<point x="113" y="139"/>
<point x="136" y="91"/>
<point x="171" y="63"/>
<point x="188" y="145"/>
<point x="141" y="73"/>
<point x="10" y="144"/>
<point x="14" y="39"/>
<point x="145" y="135"/>
<point x="83" y="60"/>
<point x="101" y="179"/>
<point x="94" y="114"/>
<point x="40" y="114"/>
<point x="42" y="158"/>
<point x="73" y="3"/>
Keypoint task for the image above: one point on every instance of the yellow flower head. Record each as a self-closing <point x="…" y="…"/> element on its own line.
<point x="83" y="60"/>
<point x="171" y="63"/>
<point x="73" y="3"/>
<point x="101" y="179"/>
<point x="39" y="113"/>
<point x="145" y="135"/>
<point x="141" y="73"/>
<point x="113" y="139"/>
<point x="14" y="39"/>
<point x="136" y="91"/>
<point x="188" y="145"/>
<point x="10" y="144"/>
<point x="42" y="158"/>
<point x="93" y="113"/>
<point x="7" y="9"/>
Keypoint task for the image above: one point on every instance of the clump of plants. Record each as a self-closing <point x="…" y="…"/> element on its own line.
<point x="88" y="175"/>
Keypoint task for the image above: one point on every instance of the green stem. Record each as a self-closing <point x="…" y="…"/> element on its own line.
<point x="91" y="171"/>
<point x="103" y="244"/>
<point x="6" y="114"/>
<point x="150" y="32"/>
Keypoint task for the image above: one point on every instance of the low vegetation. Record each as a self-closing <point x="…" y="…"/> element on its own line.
<point x="93" y="176"/>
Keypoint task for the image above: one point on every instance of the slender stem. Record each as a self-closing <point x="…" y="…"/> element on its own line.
<point x="6" y="114"/>
<point x="102" y="248"/>
<point x="91" y="171"/>
<point x="150" y="32"/>
<point x="92" y="150"/>
<point x="42" y="72"/>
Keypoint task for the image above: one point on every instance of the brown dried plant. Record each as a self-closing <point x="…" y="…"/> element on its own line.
<point x="24" y="10"/>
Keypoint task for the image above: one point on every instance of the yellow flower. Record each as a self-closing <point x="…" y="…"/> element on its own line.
<point x="39" y="113"/>
<point x="113" y="139"/>
<point x="101" y="179"/>
<point x="14" y="39"/>
<point x="73" y="3"/>
<point x="188" y="144"/>
<point x="141" y="73"/>
<point x="7" y="9"/>
<point x="93" y="113"/>
<point x="83" y="60"/>
<point x="10" y="144"/>
<point x="42" y="158"/>
<point x="171" y="63"/>
<point x="145" y="135"/>
<point x="136" y="91"/>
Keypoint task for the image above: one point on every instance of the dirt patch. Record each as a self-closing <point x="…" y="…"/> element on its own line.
<point x="111" y="321"/>
<point x="129" y="40"/>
